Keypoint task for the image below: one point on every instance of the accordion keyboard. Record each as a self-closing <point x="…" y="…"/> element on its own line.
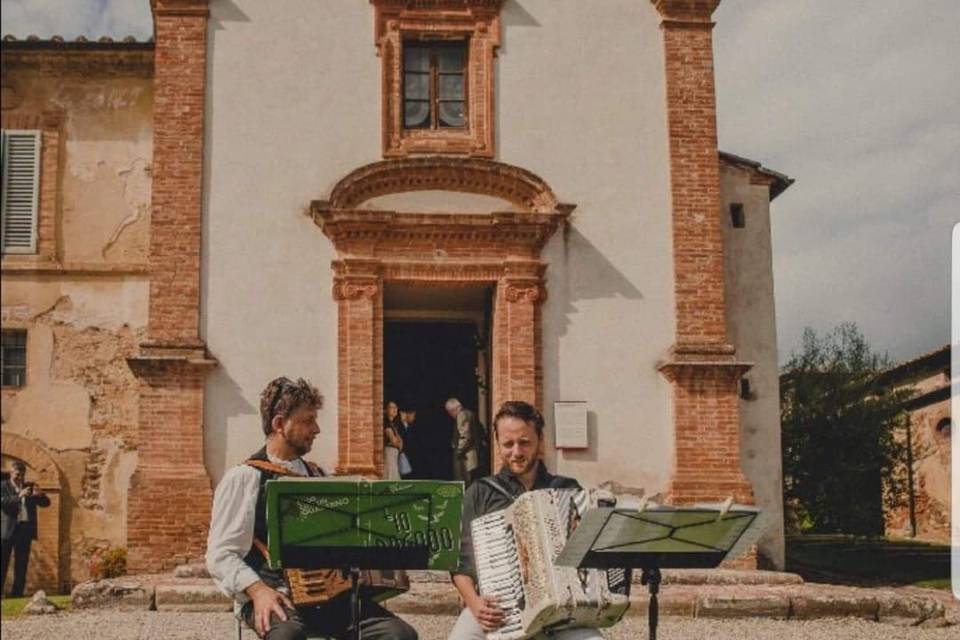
<point x="515" y="552"/>
<point x="498" y="571"/>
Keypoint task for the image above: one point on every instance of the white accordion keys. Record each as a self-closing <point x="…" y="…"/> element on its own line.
<point x="515" y="552"/>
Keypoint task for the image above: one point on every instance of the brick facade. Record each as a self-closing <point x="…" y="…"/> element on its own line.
<point x="702" y="365"/>
<point x="170" y="495"/>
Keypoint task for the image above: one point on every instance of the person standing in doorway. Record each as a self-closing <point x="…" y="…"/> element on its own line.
<point x="20" y="500"/>
<point x="392" y="441"/>
<point x="467" y="443"/>
<point x="413" y="444"/>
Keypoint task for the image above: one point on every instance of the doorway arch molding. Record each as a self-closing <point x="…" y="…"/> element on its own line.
<point x="500" y="249"/>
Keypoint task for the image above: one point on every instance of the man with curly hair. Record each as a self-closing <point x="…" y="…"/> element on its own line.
<point x="238" y="526"/>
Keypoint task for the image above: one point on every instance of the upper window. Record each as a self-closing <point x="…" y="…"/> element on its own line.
<point x="438" y="75"/>
<point x="13" y="357"/>
<point x="19" y="197"/>
<point x="434" y="85"/>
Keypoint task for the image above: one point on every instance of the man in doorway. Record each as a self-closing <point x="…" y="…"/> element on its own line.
<point x="467" y="443"/>
<point x="235" y="546"/>
<point x="20" y="500"/>
<point x="518" y="436"/>
<point x="412" y="442"/>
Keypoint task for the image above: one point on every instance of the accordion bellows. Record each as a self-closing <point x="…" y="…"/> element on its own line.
<point x="516" y="551"/>
<point x="310" y="587"/>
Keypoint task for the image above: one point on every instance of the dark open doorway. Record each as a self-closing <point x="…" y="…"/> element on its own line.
<point x="425" y="363"/>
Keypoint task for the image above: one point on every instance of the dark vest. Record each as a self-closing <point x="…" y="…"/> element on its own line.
<point x="255" y="559"/>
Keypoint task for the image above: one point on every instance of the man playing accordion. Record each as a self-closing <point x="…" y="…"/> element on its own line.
<point x="518" y="435"/>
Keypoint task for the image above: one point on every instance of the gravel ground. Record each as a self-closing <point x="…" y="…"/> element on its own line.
<point x="153" y="625"/>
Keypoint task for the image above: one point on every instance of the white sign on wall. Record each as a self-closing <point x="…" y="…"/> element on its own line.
<point x="570" y="424"/>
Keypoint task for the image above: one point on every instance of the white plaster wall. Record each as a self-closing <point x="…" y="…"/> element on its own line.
<point x="294" y="105"/>
<point x="580" y="102"/>
<point x="751" y="326"/>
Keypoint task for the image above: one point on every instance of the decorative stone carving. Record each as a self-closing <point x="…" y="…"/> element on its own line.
<point x="524" y="189"/>
<point x="532" y="292"/>
<point x="346" y="290"/>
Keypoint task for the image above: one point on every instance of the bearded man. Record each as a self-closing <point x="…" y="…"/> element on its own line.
<point x="238" y="530"/>
<point x="518" y="436"/>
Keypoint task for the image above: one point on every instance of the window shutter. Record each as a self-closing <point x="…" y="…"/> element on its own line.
<point x="21" y="178"/>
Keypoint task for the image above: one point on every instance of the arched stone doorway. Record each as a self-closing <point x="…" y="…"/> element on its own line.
<point x="498" y="250"/>
<point x="49" y="561"/>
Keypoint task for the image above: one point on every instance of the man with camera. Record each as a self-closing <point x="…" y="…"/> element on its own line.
<point x="18" y="524"/>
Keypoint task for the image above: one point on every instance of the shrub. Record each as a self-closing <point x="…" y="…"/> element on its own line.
<point x="108" y="563"/>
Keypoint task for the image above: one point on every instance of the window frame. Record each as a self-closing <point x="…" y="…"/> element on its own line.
<point x="5" y="140"/>
<point x="477" y="22"/>
<point x="3" y="360"/>
<point x="434" y="73"/>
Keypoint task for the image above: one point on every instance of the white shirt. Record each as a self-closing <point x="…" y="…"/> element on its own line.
<point x="231" y="527"/>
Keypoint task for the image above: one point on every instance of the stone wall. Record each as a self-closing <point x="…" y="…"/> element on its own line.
<point x="83" y="297"/>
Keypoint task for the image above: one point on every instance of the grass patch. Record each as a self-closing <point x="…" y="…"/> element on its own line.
<point x="854" y="559"/>
<point x="13" y="607"/>
<point x="937" y="583"/>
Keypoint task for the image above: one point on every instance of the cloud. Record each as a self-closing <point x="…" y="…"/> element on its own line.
<point x="858" y="102"/>
<point x="72" y="18"/>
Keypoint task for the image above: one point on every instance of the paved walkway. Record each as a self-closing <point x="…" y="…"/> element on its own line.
<point x="159" y="625"/>
<point x="720" y="604"/>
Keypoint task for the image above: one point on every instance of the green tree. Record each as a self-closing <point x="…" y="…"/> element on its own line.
<point x="843" y="452"/>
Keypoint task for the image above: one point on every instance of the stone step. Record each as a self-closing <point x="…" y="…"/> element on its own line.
<point x="197" y="596"/>
<point x="670" y="576"/>
<point x="785" y="601"/>
<point x="729" y="596"/>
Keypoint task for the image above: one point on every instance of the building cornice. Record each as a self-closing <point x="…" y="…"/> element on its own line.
<point x="180" y="7"/>
<point x="523" y="189"/>
<point x="686" y="11"/>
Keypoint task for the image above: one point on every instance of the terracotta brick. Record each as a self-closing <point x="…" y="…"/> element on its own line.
<point x="702" y="366"/>
<point x="170" y="495"/>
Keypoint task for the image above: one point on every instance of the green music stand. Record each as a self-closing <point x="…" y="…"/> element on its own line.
<point x="362" y="524"/>
<point x="660" y="537"/>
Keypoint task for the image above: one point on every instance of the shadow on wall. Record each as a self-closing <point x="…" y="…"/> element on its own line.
<point x="585" y="273"/>
<point x="511" y="16"/>
<point x="225" y="400"/>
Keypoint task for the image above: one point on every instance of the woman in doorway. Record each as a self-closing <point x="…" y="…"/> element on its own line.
<point x="392" y="442"/>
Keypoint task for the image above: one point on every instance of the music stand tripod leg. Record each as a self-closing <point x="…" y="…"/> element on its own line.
<point x="651" y="578"/>
<point x="354" y="602"/>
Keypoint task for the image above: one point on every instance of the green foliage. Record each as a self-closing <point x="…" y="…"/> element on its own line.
<point x="108" y="563"/>
<point x="843" y="450"/>
<point x="13" y="607"/>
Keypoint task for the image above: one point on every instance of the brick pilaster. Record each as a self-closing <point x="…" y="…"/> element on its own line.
<point x="702" y="365"/>
<point x="516" y="330"/>
<point x="168" y="508"/>
<point x="180" y="56"/>
<point x="170" y="494"/>
<point x="358" y="290"/>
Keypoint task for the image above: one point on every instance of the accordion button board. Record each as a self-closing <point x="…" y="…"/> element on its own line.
<point x="516" y="551"/>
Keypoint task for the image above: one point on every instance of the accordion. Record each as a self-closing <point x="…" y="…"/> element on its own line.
<point x="515" y="552"/>
<point x="316" y="586"/>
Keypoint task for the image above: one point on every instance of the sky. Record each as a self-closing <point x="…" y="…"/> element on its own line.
<point x="858" y="101"/>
